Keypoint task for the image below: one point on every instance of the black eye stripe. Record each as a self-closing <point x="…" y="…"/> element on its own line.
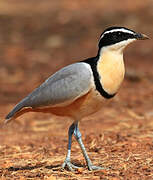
<point x="118" y="34"/>
<point x="114" y="37"/>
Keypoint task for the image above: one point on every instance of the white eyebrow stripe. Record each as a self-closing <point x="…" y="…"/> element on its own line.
<point x="118" y="30"/>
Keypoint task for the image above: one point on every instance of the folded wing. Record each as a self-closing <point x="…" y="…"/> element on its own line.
<point x="63" y="87"/>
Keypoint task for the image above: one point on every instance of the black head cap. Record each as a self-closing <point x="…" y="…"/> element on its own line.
<point x="113" y="35"/>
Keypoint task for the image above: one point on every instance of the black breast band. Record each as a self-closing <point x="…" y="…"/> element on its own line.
<point x="93" y="64"/>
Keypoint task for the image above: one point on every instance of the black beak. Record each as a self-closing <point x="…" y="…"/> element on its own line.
<point x="139" y="36"/>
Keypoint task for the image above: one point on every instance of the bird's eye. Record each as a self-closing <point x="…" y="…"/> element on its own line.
<point x="115" y="36"/>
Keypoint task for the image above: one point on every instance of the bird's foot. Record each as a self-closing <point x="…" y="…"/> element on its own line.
<point x="92" y="167"/>
<point x="69" y="165"/>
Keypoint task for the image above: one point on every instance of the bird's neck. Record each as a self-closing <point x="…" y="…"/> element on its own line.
<point x="111" y="69"/>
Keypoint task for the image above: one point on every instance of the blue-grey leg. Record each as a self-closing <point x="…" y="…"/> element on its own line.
<point x="77" y="135"/>
<point x="67" y="161"/>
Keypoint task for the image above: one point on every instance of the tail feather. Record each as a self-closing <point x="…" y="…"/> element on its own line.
<point x="16" y="109"/>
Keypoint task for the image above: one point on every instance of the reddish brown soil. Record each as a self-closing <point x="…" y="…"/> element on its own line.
<point x="36" y="39"/>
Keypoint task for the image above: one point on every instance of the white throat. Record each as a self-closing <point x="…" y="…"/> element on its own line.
<point x="118" y="47"/>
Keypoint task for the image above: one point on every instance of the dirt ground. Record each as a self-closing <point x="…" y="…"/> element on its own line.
<point x="39" y="37"/>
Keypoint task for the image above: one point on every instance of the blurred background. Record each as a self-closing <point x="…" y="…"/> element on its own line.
<point x="39" y="37"/>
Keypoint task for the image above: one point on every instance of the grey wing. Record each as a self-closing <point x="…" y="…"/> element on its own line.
<point x="63" y="87"/>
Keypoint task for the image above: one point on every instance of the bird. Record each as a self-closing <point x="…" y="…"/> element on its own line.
<point x="82" y="88"/>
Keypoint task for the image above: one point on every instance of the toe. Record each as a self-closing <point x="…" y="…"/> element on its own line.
<point x="92" y="167"/>
<point x="69" y="165"/>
